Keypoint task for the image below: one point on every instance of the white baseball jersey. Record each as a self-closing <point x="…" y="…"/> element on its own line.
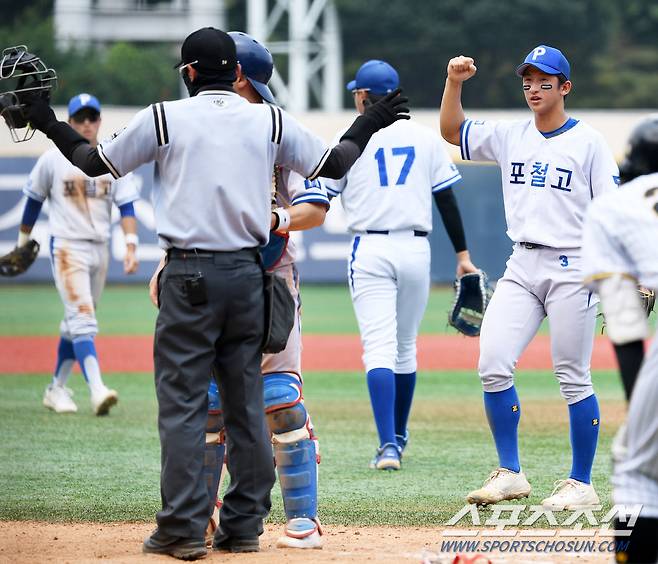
<point x="621" y="233"/>
<point x="548" y="179"/>
<point x="80" y="206"/>
<point x="390" y="186"/>
<point x="293" y="189"/>
<point x="215" y="194"/>
<point x="621" y="237"/>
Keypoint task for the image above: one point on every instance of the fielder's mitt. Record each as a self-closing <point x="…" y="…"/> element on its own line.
<point x="472" y="295"/>
<point x="20" y="259"/>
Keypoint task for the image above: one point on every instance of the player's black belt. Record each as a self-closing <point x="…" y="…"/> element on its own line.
<point x="417" y="233"/>
<point x="182" y="254"/>
<point x="532" y="245"/>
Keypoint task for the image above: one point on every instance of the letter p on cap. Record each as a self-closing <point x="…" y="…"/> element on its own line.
<point x="538" y="52"/>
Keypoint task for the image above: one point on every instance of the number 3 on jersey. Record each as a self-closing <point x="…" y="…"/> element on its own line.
<point x="408" y="152"/>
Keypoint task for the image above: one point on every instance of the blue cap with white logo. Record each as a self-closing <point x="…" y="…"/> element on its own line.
<point x="82" y="101"/>
<point x="377" y="76"/>
<point x="547" y="59"/>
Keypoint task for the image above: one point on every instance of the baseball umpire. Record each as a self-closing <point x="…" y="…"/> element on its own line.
<point x="214" y="154"/>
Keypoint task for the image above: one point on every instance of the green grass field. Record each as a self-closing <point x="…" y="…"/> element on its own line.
<point x="83" y="468"/>
<point x="126" y="310"/>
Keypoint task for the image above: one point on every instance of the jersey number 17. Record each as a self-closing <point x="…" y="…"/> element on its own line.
<point x="408" y="152"/>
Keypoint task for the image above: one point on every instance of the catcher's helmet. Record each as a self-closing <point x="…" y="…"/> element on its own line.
<point x="22" y="75"/>
<point x="642" y="155"/>
<point x="256" y="62"/>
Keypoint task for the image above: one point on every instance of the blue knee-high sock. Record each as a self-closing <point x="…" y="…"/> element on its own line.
<point x="503" y="412"/>
<point x="381" y="384"/>
<point x="404" y="394"/>
<point x="85" y="354"/>
<point x="584" y="420"/>
<point x="65" y="361"/>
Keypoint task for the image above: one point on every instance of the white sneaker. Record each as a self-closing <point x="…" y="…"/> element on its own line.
<point x="58" y="398"/>
<point x="301" y="533"/>
<point x="571" y="494"/>
<point x="619" y="445"/>
<point x="103" y="399"/>
<point x="502" y="484"/>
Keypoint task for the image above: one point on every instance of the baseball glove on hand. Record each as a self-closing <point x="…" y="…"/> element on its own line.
<point x="472" y="295"/>
<point x="20" y="259"/>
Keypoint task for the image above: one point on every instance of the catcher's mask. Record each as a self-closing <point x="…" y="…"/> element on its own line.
<point x="22" y="74"/>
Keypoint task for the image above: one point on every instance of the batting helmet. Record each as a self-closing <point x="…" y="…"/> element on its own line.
<point x="256" y="62"/>
<point x="642" y="155"/>
<point x="22" y="75"/>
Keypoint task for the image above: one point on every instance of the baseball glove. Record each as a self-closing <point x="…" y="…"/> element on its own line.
<point x="20" y="259"/>
<point x="472" y="295"/>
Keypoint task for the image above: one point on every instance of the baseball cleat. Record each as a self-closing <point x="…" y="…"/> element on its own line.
<point x="58" y="398"/>
<point x="102" y="400"/>
<point x="619" y="445"/>
<point x="301" y="533"/>
<point x="571" y="494"/>
<point x="501" y="485"/>
<point x="402" y="440"/>
<point x="387" y="457"/>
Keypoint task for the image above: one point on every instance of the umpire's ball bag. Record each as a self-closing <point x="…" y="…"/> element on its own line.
<point x="279" y="313"/>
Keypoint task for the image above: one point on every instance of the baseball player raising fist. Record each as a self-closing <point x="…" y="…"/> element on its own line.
<point x="552" y="167"/>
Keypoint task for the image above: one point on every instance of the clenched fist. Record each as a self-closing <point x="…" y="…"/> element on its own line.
<point x="461" y="68"/>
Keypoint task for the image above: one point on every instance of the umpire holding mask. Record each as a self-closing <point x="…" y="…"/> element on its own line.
<point x="214" y="154"/>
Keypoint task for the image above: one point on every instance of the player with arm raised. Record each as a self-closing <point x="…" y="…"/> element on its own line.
<point x="387" y="197"/>
<point x="620" y="251"/>
<point x="552" y="167"/>
<point x="79" y="222"/>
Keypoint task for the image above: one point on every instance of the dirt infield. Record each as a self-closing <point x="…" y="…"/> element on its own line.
<point x="30" y="542"/>
<point x="20" y="355"/>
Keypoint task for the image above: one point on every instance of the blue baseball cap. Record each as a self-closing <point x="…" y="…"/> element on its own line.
<point x="377" y="76"/>
<point x="547" y="59"/>
<point x="82" y="101"/>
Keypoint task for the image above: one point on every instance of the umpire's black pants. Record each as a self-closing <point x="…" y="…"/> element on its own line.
<point x="228" y="330"/>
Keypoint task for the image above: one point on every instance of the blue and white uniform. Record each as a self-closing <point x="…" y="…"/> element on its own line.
<point x="548" y="181"/>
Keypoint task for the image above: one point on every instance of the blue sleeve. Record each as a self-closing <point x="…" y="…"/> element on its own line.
<point x="31" y="211"/>
<point x="127" y="210"/>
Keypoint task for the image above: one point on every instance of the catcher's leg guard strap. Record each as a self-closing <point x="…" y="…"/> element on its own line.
<point x="285" y="411"/>
<point x="296" y="464"/>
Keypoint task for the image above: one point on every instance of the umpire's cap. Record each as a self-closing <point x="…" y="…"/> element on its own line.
<point x="256" y="62"/>
<point x="376" y="76"/>
<point x="209" y="50"/>
<point x="547" y="59"/>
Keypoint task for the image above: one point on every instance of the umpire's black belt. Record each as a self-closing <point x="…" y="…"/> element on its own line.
<point x="203" y="254"/>
<point x="417" y="233"/>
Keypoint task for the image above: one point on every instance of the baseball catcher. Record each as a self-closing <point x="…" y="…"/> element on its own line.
<point x="20" y="259"/>
<point x="472" y="295"/>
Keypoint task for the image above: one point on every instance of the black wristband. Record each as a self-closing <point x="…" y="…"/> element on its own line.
<point x="361" y="130"/>
<point x="277" y="221"/>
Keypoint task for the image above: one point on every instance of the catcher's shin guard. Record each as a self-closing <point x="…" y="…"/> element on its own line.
<point x="213" y="461"/>
<point x="295" y="448"/>
<point x="298" y="475"/>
